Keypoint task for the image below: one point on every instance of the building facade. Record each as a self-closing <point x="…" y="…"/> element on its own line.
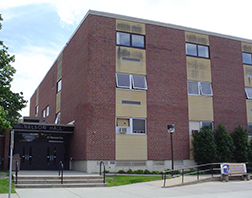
<point x="122" y="80"/>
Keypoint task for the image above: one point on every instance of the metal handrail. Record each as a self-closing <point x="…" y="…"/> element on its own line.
<point x="103" y="170"/>
<point x="196" y="168"/>
<point x="16" y="172"/>
<point x="61" y="167"/>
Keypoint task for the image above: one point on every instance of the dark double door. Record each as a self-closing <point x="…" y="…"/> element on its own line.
<point x="40" y="155"/>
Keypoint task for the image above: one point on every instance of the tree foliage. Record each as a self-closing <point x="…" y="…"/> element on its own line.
<point x="204" y="146"/>
<point x="241" y="143"/>
<point x="224" y="144"/>
<point x="10" y="103"/>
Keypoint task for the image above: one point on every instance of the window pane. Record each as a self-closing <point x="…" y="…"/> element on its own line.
<point x="138" y="126"/>
<point x="191" y="49"/>
<point x="193" y="87"/>
<point x="203" y="51"/>
<point x="137" y="41"/>
<point x="248" y="92"/>
<point x="210" y="124"/>
<point x="122" y="38"/>
<point x="250" y="129"/>
<point x="206" y="89"/>
<point x="246" y="58"/>
<point x="59" y="85"/>
<point x="139" y="82"/>
<point x="123" y="80"/>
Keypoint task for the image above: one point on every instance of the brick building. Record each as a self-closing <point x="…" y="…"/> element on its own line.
<point x="122" y="80"/>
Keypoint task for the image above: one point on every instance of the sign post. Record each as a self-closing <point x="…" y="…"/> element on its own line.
<point x="11" y="153"/>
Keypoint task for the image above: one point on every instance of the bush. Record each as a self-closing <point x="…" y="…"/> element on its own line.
<point x="204" y="146"/>
<point x="139" y="172"/>
<point x="147" y="171"/>
<point x="224" y="145"/>
<point x="121" y="171"/>
<point x="129" y="171"/>
<point x="241" y="143"/>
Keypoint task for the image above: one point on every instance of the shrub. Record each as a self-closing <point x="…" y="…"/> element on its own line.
<point x="240" y="137"/>
<point x="129" y="171"/>
<point x="147" y="171"/>
<point x="224" y="145"/>
<point x="139" y="172"/>
<point x="204" y="146"/>
<point x="121" y="171"/>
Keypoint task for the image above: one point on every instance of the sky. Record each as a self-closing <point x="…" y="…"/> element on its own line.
<point x="37" y="30"/>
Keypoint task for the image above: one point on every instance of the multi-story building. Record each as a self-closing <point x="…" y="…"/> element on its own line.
<point x="122" y="80"/>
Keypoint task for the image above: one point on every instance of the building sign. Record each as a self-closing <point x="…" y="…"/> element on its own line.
<point x="45" y="128"/>
<point x="232" y="168"/>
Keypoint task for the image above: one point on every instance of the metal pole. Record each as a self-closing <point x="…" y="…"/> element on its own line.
<point x="11" y="154"/>
<point x="172" y="154"/>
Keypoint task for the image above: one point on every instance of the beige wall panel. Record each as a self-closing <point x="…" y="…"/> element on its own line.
<point x="249" y="110"/>
<point x="125" y="110"/>
<point x="247" y="75"/>
<point x="196" y="38"/>
<point x="200" y="108"/>
<point x="198" y="69"/>
<point x="59" y="67"/>
<point x="128" y="26"/>
<point x="131" y="147"/>
<point x="246" y="47"/>
<point x="58" y="102"/>
<point x="130" y="65"/>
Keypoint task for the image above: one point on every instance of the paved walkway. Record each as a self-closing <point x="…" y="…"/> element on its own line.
<point x="217" y="189"/>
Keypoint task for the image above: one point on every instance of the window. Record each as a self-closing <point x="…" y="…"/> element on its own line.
<point x="130" y="126"/>
<point x="36" y="109"/>
<point x="130" y="102"/>
<point x="47" y="111"/>
<point x="130" y="40"/>
<point x="201" y="51"/>
<point x="57" y="120"/>
<point x="248" y="91"/>
<point x="250" y="130"/>
<point x="138" y="125"/>
<point x="129" y="81"/>
<point x="59" y="85"/>
<point x="199" y="88"/>
<point x="203" y="123"/>
<point x="44" y="113"/>
<point x="247" y="58"/>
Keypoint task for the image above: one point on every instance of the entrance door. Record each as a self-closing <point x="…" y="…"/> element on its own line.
<point x="44" y="156"/>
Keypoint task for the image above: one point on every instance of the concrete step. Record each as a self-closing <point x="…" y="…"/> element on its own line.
<point x="40" y="181"/>
<point x="72" y="185"/>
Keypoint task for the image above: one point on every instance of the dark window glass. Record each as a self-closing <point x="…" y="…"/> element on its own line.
<point x="250" y="129"/>
<point x="139" y="82"/>
<point x="59" y="85"/>
<point x="138" y="41"/>
<point x="206" y="89"/>
<point x="123" y="39"/>
<point x="203" y="51"/>
<point x="248" y="92"/>
<point x="123" y="80"/>
<point x="210" y="124"/>
<point x="193" y="87"/>
<point x="138" y="126"/>
<point x="246" y="58"/>
<point x="191" y="49"/>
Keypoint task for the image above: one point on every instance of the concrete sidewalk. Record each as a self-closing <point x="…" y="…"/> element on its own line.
<point x="146" y="190"/>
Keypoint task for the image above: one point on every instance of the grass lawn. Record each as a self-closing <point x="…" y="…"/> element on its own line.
<point x="4" y="183"/>
<point x="118" y="180"/>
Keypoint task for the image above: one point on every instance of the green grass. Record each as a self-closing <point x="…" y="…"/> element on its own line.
<point x="119" y="180"/>
<point x="4" y="183"/>
<point x="4" y="186"/>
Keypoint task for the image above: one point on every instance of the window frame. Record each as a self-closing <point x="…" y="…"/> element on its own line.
<point x="59" y="85"/>
<point x="250" y="63"/>
<point x="131" y="82"/>
<point x="249" y="131"/>
<point x="131" y="35"/>
<point x="197" y="50"/>
<point x="200" y="88"/>
<point x="130" y="127"/>
<point x="247" y="94"/>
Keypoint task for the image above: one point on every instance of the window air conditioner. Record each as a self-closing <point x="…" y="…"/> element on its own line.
<point x="122" y="130"/>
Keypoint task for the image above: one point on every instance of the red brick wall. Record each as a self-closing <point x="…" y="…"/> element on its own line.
<point x="167" y="101"/>
<point x="229" y="99"/>
<point x="88" y="89"/>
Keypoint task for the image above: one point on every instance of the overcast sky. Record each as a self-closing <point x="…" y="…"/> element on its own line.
<point x="36" y="30"/>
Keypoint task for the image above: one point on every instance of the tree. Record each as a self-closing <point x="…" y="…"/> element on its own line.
<point x="10" y="103"/>
<point x="204" y="146"/>
<point x="241" y="143"/>
<point x="224" y="144"/>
